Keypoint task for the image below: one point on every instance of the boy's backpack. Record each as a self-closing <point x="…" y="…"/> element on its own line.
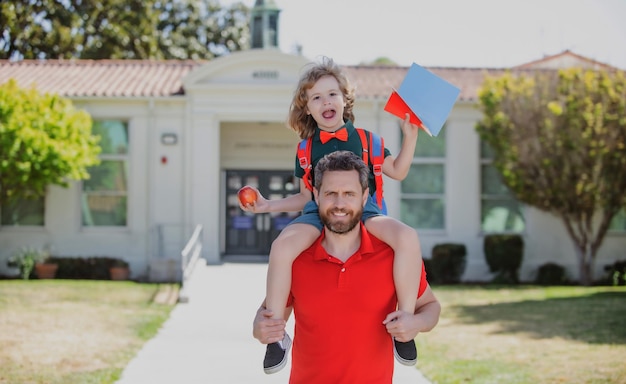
<point x="373" y="152"/>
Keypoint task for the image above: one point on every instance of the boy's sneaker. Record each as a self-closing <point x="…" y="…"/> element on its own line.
<point x="276" y="355"/>
<point x="405" y="353"/>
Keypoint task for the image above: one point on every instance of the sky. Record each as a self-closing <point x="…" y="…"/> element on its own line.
<point x="452" y="33"/>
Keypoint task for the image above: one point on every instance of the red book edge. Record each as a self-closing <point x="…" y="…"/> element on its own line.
<point x="398" y="107"/>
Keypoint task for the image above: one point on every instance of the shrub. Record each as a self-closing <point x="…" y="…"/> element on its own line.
<point x="448" y="263"/>
<point x="89" y="268"/>
<point x="551" y="274"/>
<point x="504" y="254"/>
<point x="616" y="273"/>
<point x="25" y="259"/>
<point x="428" y="266"/>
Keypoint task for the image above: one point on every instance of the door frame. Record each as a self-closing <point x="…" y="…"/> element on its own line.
<point x="258" y="231"/>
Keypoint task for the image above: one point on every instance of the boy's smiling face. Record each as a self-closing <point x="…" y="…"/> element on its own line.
<point x="326" y="103"/>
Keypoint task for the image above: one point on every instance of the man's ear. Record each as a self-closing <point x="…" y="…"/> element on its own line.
<point x="366" y="194"/>
<point x="316" y="196"/>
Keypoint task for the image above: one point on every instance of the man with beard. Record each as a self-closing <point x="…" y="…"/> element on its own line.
<point x="342" y="291"/>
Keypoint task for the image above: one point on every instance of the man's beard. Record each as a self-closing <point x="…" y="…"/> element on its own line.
<point x="338" y="226"/>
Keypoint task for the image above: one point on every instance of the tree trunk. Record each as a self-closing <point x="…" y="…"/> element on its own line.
<point x="586" y="245"/>
<point x="585" y="258"/>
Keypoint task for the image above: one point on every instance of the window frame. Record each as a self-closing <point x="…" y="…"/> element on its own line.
<point x="28" y="226"/>
<point x="487" y="160"/>
<point x="125" y="159"/>
<point x="621" y="215"/>
<point x="441" y="196"/>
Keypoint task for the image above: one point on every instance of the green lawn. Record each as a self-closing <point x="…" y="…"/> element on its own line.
<point x="527" y="334"/>
<point x="70" y="331"/>
<point x="73" y="331"/>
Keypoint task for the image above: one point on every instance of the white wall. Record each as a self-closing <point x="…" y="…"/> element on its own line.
<point x="232" y="119"/>
<point x="229" y="90"/>
<point x="154" y="195"/>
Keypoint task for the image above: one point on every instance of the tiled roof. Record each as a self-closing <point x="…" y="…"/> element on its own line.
<point x="146" y="78"/>
<point x="373" y="81"/>
<point x="566" y="58"/>
<point x="100" y="78"/>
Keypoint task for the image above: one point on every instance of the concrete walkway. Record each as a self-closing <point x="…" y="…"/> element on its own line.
<point x="209" y="339"/>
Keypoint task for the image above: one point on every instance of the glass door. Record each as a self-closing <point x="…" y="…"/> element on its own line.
<point x="249" y="233"/>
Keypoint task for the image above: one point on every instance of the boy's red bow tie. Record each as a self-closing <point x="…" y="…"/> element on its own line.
<point x="340" y="134"/>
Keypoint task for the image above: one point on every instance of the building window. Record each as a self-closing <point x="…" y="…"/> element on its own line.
<point x="24" y="212"/>
<point x="500" y="211"/>
<point x="273" y="28"/>
<point x="105" y="194"/>
<point x="423" y="190"/>
<point x="257" y="32"/>
<point x="618" y="224"/>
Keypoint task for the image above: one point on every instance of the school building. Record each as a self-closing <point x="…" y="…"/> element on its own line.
<point x="181" y="137"/>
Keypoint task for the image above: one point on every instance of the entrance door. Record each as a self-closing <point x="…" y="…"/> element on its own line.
<point x="249" y="233"/>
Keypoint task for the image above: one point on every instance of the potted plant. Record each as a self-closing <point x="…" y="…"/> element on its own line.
<point x="119" y="270"/>
<point x="45" y="268"/>
<point x="28" y="259"/>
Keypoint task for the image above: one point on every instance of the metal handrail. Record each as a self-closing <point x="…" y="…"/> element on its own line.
<point x="189" y="256"/>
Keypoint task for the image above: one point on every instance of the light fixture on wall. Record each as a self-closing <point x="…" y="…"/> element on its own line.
<point x="169" y="139"/>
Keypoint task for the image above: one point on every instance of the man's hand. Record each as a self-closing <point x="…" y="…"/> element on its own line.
<point x="267" y="330"/>
<point x="405" y="326"/>
<point x="401" y="326"/>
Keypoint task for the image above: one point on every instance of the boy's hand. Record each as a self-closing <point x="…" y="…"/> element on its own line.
<point x="411" y="130"/>
<point x="267" y="330"/>
<point x="400" y="325"/>
<point x="260" y="206"/>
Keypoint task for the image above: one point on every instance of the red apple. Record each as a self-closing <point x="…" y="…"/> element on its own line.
<point x="247" y="195"/>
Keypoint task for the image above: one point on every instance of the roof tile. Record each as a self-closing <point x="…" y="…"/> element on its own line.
<point x="154" y="78"/>
<point x="100" y="78"/>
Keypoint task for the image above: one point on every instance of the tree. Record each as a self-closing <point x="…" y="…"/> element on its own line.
<point x="559" y="141"/>
<point x="202" y="29"/>
<point x="121" y="29"/>
<point x="115" y="29"/>
<point x="36" y="29"/>
<point x="44" y="140"/>
<point x="381" y="61"/>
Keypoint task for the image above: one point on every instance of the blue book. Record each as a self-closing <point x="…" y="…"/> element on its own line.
<point x="426" y="97"/>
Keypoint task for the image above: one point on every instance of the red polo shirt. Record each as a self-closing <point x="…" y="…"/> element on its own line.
<point x="339" y="309"/>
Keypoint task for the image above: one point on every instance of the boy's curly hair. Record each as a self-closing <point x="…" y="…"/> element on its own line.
<point x="299" y="120"/>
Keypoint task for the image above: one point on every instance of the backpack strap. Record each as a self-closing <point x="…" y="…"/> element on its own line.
<point x="374" y="153"/>
<point x="377" y="154"/>
<point x="364" y="141"/>
<point x="304" y="158"/>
